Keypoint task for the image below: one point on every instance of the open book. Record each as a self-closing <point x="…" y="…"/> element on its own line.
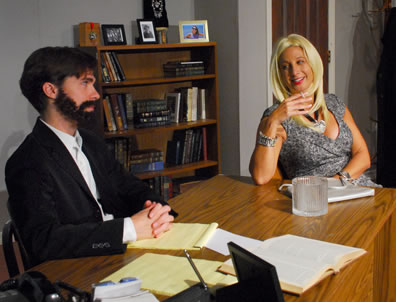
<point x="301" y="262"/>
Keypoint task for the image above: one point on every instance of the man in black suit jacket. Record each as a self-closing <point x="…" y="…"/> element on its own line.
<point x="68" y="196"/>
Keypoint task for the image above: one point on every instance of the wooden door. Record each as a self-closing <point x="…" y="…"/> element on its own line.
<point x="308" y="18"/>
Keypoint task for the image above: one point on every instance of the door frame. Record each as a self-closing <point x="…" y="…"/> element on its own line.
<point x="331" y="40"/>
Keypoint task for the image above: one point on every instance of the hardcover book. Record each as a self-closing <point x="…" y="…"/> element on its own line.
<point x="302" y="262"/>
<point x="116" y="112"/>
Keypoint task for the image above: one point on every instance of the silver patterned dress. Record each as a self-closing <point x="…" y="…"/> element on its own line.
<point x="307" y="152"/>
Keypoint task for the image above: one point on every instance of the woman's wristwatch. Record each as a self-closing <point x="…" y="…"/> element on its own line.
<point x="345" y="177"/>
<point x="265" y="140"/>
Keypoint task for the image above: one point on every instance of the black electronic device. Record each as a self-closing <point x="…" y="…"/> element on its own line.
<point x="257" y="279"/>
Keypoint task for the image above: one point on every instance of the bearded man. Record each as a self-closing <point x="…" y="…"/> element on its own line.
<point x="68" y="196"/>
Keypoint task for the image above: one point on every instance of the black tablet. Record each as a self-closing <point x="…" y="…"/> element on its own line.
<point x="250" y="269"/>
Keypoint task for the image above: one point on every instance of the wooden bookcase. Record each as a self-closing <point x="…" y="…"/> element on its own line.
<point x="143" y="68"/>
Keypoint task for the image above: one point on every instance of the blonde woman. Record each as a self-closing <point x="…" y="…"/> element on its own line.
<point x="308" y="132"/>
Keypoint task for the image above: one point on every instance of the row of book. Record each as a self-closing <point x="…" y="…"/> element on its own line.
<point x="187" y="146"/>
<point x="183" y="68"/>
<point x="122" y="113"/>
<point x="168" y="187"/>
<point x="118" y="111"/>
<point x="135" y="161"/>
<point x="162" y="185"/>
<point x="111" y="67"/>
<point x="187" y="104"/>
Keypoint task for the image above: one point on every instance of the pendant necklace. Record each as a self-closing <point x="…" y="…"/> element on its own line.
<point x="319" y="125"/>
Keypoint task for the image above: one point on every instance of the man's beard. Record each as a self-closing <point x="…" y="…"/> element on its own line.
<point x="68" y="108"/>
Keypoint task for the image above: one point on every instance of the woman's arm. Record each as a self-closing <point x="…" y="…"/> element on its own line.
<point x="360" y="160"/>
<point x="264" y="159"/>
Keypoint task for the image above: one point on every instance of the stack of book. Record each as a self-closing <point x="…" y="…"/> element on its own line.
<point x="183" y="68"/>
<point x="118" y="111"/>
<point x="151" y="113"/>
<point x="111" y="67"/>
<point x="187" y="146"/>
<point x="146" y="160"/>
<point x="162" y="185"/>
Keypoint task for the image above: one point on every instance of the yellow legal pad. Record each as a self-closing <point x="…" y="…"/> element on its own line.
<point x="168" y="275"/>
<point x="189" y="236"/>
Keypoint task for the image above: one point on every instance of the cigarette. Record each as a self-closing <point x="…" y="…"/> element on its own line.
<point x="302" y="94"/>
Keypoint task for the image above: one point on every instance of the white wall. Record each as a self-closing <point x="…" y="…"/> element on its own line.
<point x="253" y="75"/>
<point x="222" y="16"/>
<point x="26" y="25"/>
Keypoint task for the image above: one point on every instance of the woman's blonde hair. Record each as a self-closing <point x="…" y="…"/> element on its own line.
<point x="280" y="90"/>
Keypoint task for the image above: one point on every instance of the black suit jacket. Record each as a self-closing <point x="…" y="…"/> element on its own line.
<point x="52" y="205"/>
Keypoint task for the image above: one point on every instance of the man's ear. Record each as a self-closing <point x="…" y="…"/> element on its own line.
<point x="50" y="90"/>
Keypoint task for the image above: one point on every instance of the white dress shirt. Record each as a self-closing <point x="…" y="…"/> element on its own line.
<point x="74" y="145"/>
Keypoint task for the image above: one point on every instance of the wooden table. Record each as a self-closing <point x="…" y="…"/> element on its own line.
<point x="261" y="212"/>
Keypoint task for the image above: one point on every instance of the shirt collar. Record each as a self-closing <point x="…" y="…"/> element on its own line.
<point x="68" y="140"/>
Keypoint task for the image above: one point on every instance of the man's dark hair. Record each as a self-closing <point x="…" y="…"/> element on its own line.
<point x="53" y="65"/>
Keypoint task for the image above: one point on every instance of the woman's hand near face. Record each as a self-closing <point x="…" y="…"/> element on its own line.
<point x="292" y="106"/>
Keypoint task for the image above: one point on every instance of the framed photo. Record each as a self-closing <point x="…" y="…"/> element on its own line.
<point x="193" y="31"/>
<point x="147" y="32"/>
<point x="173" y="103"/>
<point x="113" y="34"/>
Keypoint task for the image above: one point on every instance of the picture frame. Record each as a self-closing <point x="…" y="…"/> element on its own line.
<point x="147" y="31"/>
<point x="113" y="34"/>
<point x="173" y="103"/>
<point x="193" y="31"/>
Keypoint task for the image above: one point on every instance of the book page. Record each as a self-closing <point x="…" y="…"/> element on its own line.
<point x="314" y="251"/>
<point x="302" y="261"/>
<point x="189" y="236"/>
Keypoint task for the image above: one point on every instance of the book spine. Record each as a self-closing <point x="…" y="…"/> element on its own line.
<point x="116" y="112"/>
<point x="106" y="61"/>
<point x="194" y="104"/>
<point x="145" y="167"/>
<point x="118" y="66"/>
<point x="146" y="160"/>
<point x="146" y="155"/>
<point x="204" y="144"/>
<point x="121" y="105"/>
<point x="116" y="78"/>
<point x="189" y="104"/>
<point x="129" y="109"/>
<point x="202" y="103"/>
<point x="105" y="73"/>
<point x="199" y="151"/>
<point x="106" y="109"/>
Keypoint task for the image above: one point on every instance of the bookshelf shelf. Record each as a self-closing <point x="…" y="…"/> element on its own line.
<point x="186" y="125"/>
<point x="178" y="169"/>
<point x="161" y="80"/>
<point x="144" y="78"/>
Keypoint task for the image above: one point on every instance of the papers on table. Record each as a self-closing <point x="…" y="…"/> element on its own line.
<point x="218" y="242"/>
<point x="168" y="275"/>
<point x="189" y="236"/>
